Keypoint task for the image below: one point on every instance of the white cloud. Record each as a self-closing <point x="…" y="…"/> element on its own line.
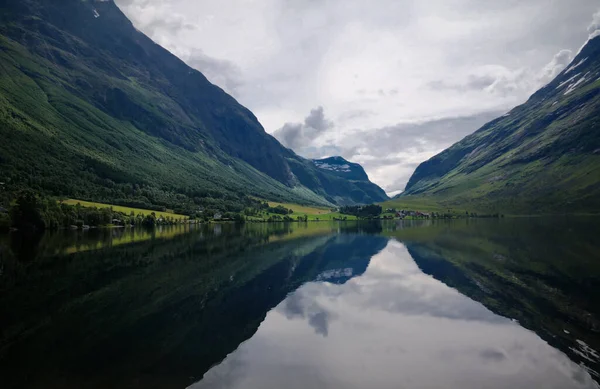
<point x="371" y="66"/>
<point x="560" y="61"/>
<point x="594" y="27"/>
<point x="391" y="154"/>
<point x="299" y="135"/>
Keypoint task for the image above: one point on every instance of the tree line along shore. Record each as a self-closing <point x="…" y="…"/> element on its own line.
<point x="30" y="211"/>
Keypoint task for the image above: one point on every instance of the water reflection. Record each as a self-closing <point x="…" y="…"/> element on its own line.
<point x="464" y="304"/>
<point x="161" y="311"/>
<point x="391" y="327"/>
<point x="541" y="272"/>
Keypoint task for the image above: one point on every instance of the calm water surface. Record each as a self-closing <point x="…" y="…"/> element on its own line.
<point x="463" y="304"/>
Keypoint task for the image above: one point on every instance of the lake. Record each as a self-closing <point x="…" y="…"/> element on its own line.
<point x="509" y="303"/>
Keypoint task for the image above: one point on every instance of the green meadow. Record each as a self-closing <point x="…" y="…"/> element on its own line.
<point x="125" y="210"/>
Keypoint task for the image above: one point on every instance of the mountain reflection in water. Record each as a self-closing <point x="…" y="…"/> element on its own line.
<point x="463" y="304"/>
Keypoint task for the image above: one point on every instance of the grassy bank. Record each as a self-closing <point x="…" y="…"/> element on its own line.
<point x="425" y="204"/>
<point x="302" y="209"/>
<point x="125" y="210"/>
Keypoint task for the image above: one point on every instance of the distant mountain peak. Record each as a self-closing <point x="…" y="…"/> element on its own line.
<point x="342" y="167"/>
<point x="352" y="172"/>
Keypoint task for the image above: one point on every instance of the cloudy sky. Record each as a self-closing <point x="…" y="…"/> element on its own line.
<point x="386" y="83"/>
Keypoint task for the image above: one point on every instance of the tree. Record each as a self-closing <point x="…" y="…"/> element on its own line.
<point x="280" y="210"/>
<point x="149" y="220"/>
<point x="26" y="214"/>
<point x="365" y="211"/>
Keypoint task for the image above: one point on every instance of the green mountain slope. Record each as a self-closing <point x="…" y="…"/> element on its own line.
<point x="92" y="108"/>
<point x="541" y="157"/>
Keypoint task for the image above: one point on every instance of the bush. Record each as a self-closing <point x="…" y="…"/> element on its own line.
<point x="149" y="220"/>
<point x="280" y="210"/>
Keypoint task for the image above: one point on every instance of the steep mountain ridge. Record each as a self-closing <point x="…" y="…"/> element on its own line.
<point x="541" y="157"/>
<point x="92" y="108"/>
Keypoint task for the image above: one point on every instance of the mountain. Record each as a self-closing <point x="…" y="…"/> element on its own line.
<point x="91" y="108"/>
<point x="351" y="179"/>
<point x="541" y="157"/>
<point x="339" y="181"/>
<point x="342" y="168"/>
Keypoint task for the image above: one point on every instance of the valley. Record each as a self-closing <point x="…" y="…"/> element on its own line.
<point x="104" y="115"/>
<point x="170" y="217"/>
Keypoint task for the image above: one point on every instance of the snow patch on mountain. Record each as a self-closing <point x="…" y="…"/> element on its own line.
<point x="336" y="168"/>
<point x="575" y="66"/>
<point x="568" y="81"/>
<point x="573" y="86"/>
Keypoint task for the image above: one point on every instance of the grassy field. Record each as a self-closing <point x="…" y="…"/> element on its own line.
<point x="125" y="210"/>
<point x="423" y="204"/>
<point x="302" y="209"/>
<point x="313" y="213"/>
<point x="329" y="216"/>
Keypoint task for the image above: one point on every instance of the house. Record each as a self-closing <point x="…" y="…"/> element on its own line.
<point x="217" y="216"/>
